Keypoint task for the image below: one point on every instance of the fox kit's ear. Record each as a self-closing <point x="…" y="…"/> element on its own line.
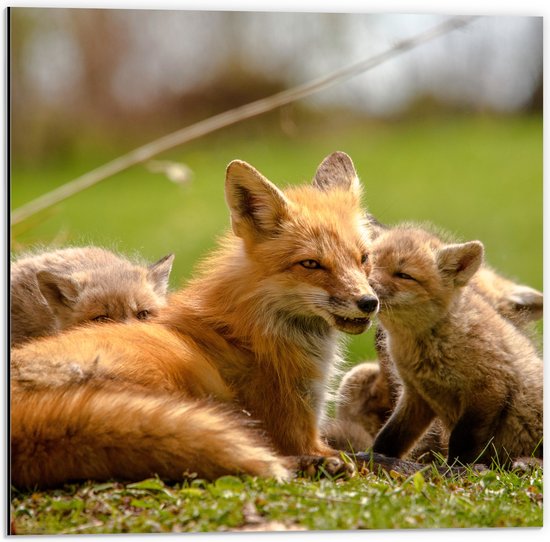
<point x="527" y="301"/>
<point x="337" y="171"/>
<point x="159" y="273"/>
<point x="375" y="227"/>
<point x="257" y="206"/>
<point x="461" y="261"/>
<point x="58" y="290"/>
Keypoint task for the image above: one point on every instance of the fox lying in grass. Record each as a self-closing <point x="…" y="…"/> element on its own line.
<point x="253" y="338"/>
<point x="53" y="291"/>
<point x="457" y="357"/>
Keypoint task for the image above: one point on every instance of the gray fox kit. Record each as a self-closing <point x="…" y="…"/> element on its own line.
<point x="55" y="290"/>
<point x="458" y="359"/>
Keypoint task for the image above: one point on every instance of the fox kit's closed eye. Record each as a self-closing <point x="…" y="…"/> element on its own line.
<point x="52" y="291"/>
<point x="257" y="330"/>
<point x="457" y="358"/>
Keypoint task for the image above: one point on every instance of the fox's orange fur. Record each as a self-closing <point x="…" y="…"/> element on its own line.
<point x="257" y="330"/>
<point x="92" y="431"/>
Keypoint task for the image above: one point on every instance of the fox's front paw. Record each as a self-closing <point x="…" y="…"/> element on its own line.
<point x="313" y="466"/>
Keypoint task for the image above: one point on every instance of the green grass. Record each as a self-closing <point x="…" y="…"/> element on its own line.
<point x="489" y="499"/>
<point x="478" y="177"/>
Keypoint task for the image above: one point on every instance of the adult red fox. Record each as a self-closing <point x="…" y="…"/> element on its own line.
<point x="250" y="342"/>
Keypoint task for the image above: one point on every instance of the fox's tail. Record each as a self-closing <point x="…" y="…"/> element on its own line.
<point x="87" y="432"/>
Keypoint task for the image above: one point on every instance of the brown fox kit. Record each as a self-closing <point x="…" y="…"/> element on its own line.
<point x="53" y="291"/>
<point x="256" y="331"/>
<point x="457" y="358"/>
<point x="369" y="391"/>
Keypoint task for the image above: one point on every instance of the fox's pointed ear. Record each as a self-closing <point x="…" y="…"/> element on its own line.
<point x="58" y="290"/>
<point x="527" y="301"/>
<point x="159" y="273"/>
<point x="337" y="171"/>
<point x="257" y="206"/>
<point x="375" y="227"/>
<point x="460" y="261"/>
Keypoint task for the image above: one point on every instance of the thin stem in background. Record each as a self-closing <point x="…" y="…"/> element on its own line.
<point x="232" y="116"/>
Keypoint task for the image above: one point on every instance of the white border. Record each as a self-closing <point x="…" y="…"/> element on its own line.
<point x="452" y="7"/>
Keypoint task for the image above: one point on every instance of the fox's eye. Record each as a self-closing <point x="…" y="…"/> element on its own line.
<point x="364" y="259"/>
<point x="404" y="276"/>
<point x="101" y="318"/>
<point x="143" y="315"/>
<point x="310" y="264"/>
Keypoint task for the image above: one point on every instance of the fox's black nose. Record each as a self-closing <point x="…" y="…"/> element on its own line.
<point x="368" y="303"/>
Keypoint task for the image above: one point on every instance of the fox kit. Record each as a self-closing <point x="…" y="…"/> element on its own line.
<point x="457" y="358"/>
<point x="53" y="291"/>
<point x="369" y="391"/>
<point x="256" y="331"/>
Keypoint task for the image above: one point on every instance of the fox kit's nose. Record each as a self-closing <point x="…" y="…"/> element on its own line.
<point x="368" y="303"/>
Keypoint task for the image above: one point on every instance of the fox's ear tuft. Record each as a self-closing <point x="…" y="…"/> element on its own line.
<point x="460" y="261"/>
<point x="257" y="206"/>
<point x="337" y="171"/>
<point x="159" y="273"/>
<point x="59" y="291"/>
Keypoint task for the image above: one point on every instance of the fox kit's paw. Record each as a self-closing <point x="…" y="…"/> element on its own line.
<point x="314" y="466"/>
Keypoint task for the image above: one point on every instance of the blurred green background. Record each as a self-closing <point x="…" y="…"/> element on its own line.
<point x="470" y="168"/>
<point x="480" y="178"/>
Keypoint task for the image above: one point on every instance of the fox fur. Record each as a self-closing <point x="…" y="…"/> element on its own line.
<point x="98" y="432"/>
<point x="458" y="359"/>
<point x="255" y="334"/>
<point x="53" y="291"/>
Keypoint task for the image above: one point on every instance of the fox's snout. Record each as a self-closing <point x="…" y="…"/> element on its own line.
<point x="353" y="315"/>
<point x="368" y="304"/>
